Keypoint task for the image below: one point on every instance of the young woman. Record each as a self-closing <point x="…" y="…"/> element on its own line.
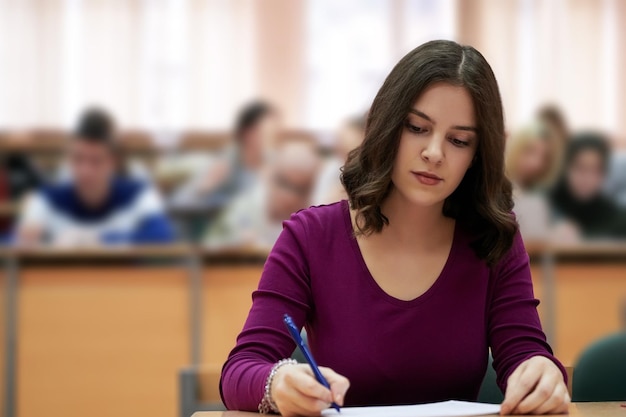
<point x="404" y="289"/>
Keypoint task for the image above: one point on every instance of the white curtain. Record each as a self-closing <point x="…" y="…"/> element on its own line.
<point x="162" y="65"/>
<point x="571" y="53"/>
<point x="353" y="44"/>
<point x="568" y="52"/>
<point x="166" y="65"/>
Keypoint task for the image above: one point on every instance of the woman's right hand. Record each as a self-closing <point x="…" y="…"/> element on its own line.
<point x="296" y="392"/>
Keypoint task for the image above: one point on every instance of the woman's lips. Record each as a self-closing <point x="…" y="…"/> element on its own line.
<point x="427" y="178"/>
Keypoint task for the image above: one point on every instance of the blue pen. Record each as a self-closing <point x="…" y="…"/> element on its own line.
<point x="295" y="334"/>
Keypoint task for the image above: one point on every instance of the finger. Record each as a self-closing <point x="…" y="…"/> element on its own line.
<point x="308" y="386"/>
<point x="518" y="387"/>
<point x="541" y="393"/>
<point x="339" y="384"/>
<point x="556" y="404"/>
<point x="506" y="407"/>
<point x="553" y="400"/>
<point x="291" y="402"/>
<point x="301" y="405"/>
<point x="564" y="409"/>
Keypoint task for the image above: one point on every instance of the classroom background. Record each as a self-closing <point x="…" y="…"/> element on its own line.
<point x="235" y="113"/>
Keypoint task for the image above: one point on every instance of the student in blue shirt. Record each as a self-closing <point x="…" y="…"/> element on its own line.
<point x="98" y="205"/>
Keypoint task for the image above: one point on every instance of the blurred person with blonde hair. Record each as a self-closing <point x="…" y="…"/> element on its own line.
<point x="255" y="216"/>
<point x="96" y="205"/>
<point x="532" y="157"/>
<point x="532" y="161"/>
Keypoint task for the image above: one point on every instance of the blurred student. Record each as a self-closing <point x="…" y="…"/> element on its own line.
<point x="256" y="130"/>
<point x="616" y="182"/>
<point x="329" y="188"/>
<point x="532" y="158"/>
<point x="98" y="205"/>
<point x="126" y="165"/>
<point x="554" y="120"/>
<point x="254" y="218"/>
<point x="580" y="207"/>
<point x="532" y="161"/>
<point x="17" y="178"/>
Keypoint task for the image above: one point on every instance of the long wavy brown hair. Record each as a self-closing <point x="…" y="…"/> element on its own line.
<point x="482" y="202"/>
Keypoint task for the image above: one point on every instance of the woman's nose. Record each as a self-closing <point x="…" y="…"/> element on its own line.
<point x="433" y="152"/>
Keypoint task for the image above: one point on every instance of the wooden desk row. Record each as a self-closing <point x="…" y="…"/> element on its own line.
<point x="132" y="142"/>
<point x="608" y="409"/>
<point x="105" y="332"/>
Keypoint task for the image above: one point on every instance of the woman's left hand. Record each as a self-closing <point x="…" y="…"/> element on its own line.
<point x="536" y="387"/>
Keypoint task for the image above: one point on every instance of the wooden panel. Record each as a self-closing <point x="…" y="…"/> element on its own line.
<point x="102" y="342"/>
<point x="589" y="298"/>
<point x="589" y="301"/>
<point x="209" y="383"/>
<point x="227" y="299"/>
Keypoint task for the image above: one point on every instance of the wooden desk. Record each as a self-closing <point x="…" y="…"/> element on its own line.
<point x="609" y="409"/>
<point x="583" y="250"/>
<point x="112" y="253"/>
<point x="582" y="289"/>
<point x="228" y="281"/>
<point x="55" y="142"/>
<point x="5" y="311"/>
<point x="102" y="331"/>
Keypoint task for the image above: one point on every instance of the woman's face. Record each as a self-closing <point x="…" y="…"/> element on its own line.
<point x="437" y="145"/>
<point x="585" y="175"/>
<point x="533" y="162"/>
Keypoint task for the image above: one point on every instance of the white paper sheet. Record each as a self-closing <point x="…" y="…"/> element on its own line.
<point x="441" y="409"/>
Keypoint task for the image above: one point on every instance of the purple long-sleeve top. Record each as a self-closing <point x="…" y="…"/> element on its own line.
<point x="431" y="348"/>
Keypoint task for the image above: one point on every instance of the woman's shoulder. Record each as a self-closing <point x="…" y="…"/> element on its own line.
<point x="321" y="220"/>
<point x="323" y="215"/>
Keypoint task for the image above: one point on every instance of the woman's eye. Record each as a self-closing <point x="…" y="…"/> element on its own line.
<point x="458" y="142"/>
<point x="414" y="129"/>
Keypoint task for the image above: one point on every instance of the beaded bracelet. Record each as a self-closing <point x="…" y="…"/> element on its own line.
<point x="268" y="405"/>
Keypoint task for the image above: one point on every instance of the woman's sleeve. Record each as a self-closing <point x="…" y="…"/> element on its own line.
<point x="283" y="288"/>
<point x="514" y="329"/>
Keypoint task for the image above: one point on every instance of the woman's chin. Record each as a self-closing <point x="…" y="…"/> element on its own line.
<point x="421" y="198"/>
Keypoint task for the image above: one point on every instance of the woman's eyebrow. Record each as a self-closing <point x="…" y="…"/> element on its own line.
<point x="468" y="128"/>
<point x="427" y="117"/>
<point x="422" y="115"/>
